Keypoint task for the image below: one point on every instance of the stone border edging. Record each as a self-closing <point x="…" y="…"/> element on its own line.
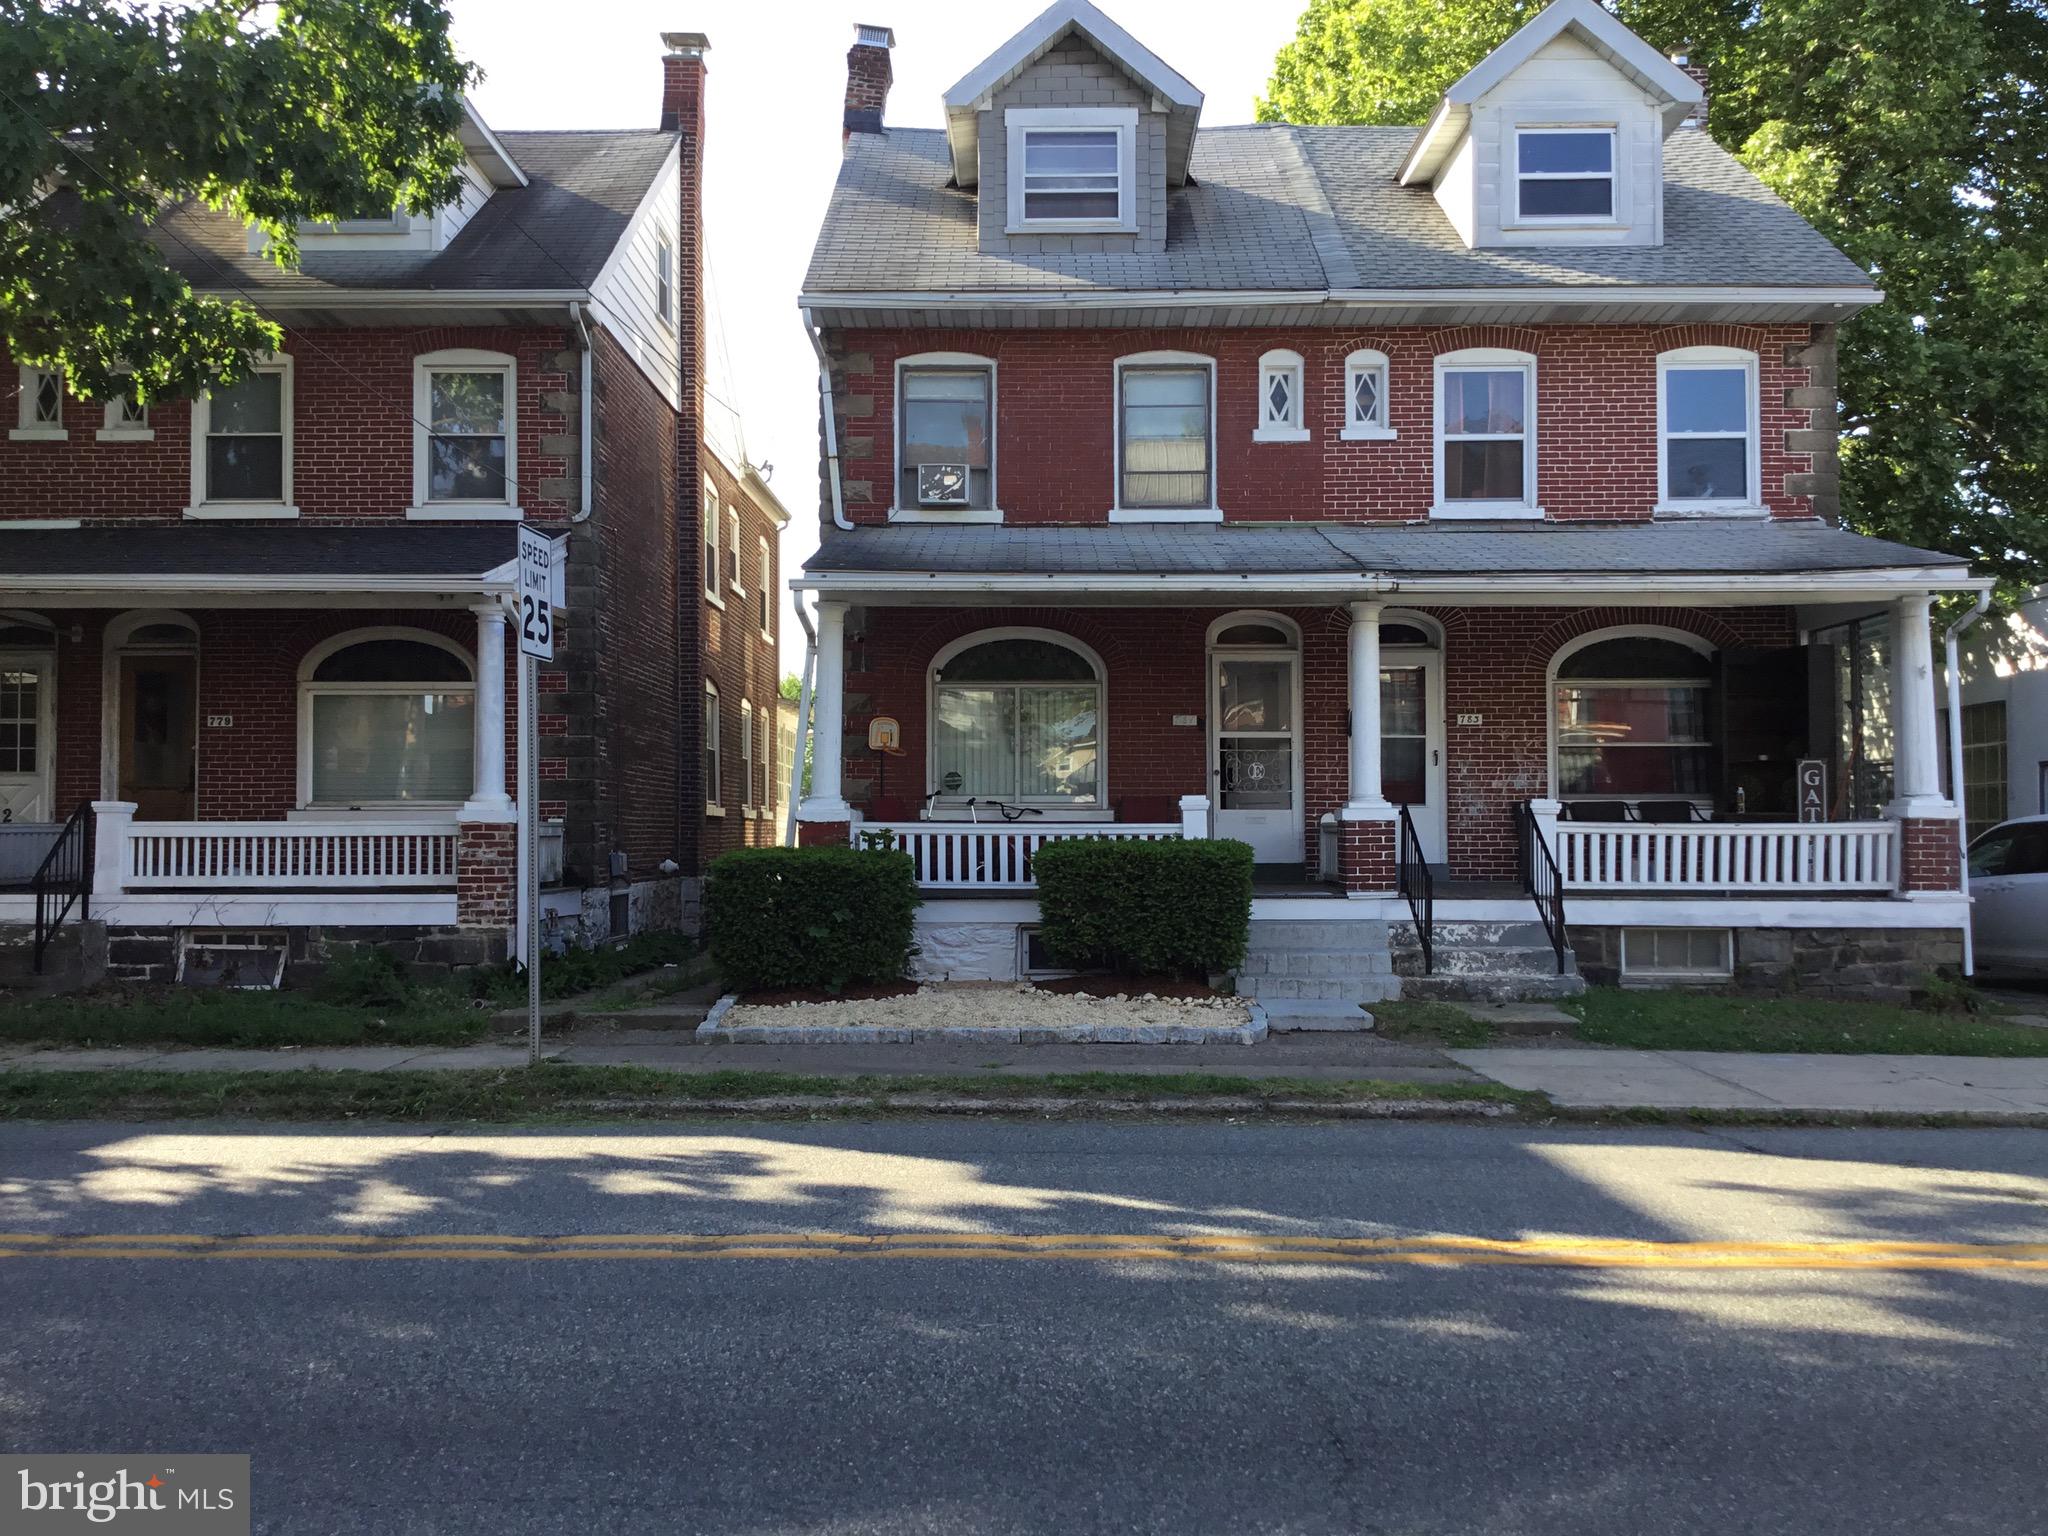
<point x="714" y="1030"/>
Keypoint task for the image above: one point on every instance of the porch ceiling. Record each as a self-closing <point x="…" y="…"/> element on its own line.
<point x="1543" y="564"/>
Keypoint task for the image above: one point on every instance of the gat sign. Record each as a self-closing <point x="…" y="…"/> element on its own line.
<point x="536" y="594"/>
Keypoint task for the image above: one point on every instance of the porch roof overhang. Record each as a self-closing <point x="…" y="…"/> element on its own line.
<point x="247" y="565"/>
<point x="1515" y="564"/>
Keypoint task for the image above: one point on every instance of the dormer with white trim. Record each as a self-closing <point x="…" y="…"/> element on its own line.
<point x="1556" y="138"/>
<point x="1071" y="135"/>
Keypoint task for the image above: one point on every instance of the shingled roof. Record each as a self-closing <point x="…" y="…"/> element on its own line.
<point x="1277" y="207"/>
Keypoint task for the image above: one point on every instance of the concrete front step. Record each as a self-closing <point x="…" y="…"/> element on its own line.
<point x="1302" y="1015"/>
<point x="1316" y="962"/>
<point x="1348" y="934"/>
<point x="1470" y="961"/>
<point x="1450" y="987"/>
<point x="1332" y="989"/>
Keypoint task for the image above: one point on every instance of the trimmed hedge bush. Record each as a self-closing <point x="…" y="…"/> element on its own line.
<point x="1179" y="906"/>
<point x="810" y="917"/>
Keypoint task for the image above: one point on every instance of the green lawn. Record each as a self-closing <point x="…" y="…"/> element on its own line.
<point x="1702" y="1021"/>
<point x="615" y="1093"/>
<point x="184" y="1016"/>
<point x="1430" y="1023"/>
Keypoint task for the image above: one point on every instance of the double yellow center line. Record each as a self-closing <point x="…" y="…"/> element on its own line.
<point x="1090" y="1247"/>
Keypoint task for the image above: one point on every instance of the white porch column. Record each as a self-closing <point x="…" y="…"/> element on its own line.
<point x="1916" y="772"/>
<point x="487" y="798"/>
<point x="111" y="821"/>
<point x="827" y="800"/>
<point x="1194" y="816"/>
<point x="1366" y="801"/>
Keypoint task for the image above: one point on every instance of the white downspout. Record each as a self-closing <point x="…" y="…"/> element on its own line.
<point x="803" y="718"/>
<point x="1955" y="766"/>
<point x="578" y="317"/>
<point x="831" y="428"/>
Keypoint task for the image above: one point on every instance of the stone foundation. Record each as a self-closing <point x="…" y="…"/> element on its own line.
<point x="671" y="905"/>
<point x="149" y="956"/>
<point x="1872" y="964"/>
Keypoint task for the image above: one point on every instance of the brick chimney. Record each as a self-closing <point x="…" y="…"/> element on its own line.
<point x="868" y="77"/>
<point x="1682" y="57"/>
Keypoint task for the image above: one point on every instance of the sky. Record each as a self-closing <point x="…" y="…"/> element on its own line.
<point x="777" y="82"/>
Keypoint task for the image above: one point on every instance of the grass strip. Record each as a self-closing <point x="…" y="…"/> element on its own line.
<point x="611" y="1093"/>
<point x="1701" y="1021"/>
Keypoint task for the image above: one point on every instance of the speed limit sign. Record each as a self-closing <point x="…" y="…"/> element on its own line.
<point x="536" y="594"/>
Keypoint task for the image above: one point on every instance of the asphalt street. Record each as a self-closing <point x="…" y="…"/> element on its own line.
<point x="1637" y="1387"/>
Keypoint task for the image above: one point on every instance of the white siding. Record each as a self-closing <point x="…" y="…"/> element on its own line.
<point x="476" y="191"/>
<point x="624" y="294"/>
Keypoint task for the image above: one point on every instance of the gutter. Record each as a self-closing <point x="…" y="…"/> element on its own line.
<point x="579" y="317"/>
<point x="803" y="721"/>
<point x="1833" y="296"/>
<point x="1955" y="763"/>
<point x="839" y="519"/>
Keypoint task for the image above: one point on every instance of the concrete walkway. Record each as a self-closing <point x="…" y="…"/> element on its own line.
<point x="1602" y="1078"/>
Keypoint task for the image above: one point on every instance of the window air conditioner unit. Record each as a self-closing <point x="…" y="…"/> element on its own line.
<point x="942" y="485"/>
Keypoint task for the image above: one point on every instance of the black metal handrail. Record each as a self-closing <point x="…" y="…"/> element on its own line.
<point x="1419" y="886"/>
<point x="64" y="880"/>
<point x="1538" y="869"/>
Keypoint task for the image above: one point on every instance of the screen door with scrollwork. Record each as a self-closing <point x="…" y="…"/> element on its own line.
<point x="1255" y="763"/>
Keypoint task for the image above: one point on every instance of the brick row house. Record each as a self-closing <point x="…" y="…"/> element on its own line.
<point x="254" y="647"/>
<point x="1448" y="512"/>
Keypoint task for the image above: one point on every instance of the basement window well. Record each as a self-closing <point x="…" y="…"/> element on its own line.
<point x="1677" y="954"/>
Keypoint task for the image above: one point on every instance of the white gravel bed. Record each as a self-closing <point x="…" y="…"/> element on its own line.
<point x="993" y="1013"/>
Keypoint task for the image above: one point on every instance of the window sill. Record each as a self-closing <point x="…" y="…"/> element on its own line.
<point x="38" y="435"/>
<point x="1527" y="222"/>
<point x="409" y="810"/>
<point x="738" y="591"/>
<point x="1281" y="435"/>
<point x="767" y="638"/>
<point x="714" y="810"/>
<point x="125" y="435"/>
<point x="1695" y="511"/>
<point x="1071" y="227"/>
<point x="1166" y="514"/>
<point x="1487" y="510"/>
<point x="1367" y="435"/>
<point x="462" y="514"/>
<point x="39" y="524"/>
<point x="715" y="601"/>
<point x="955" y="515"/>
<point x="229" y="511"/>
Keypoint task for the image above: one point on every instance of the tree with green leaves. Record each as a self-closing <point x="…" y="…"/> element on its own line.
<point x="1912" y="133"/>
<point x="113" y="111"/>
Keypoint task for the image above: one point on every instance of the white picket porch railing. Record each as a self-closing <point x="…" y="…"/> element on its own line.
<point x="955" y="856"/>
<point x="1832" y="856"/>
<point x="324" y="856"/>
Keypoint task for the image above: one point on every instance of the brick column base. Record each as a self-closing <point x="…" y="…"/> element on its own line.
<point x="487" y="874"/>
<point x="1930" y="857"/>
<point x="1367" y="855"/>
<point x="824" y="834"/>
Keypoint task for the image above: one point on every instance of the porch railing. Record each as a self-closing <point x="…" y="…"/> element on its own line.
<point x="63" y="880"/>
<point x="246" y="856"/>
<point x="1538" y="869"/>
<point x="1789" y="856"/>
<point x="950" y="856"/>
<point x="1417" y="884"/>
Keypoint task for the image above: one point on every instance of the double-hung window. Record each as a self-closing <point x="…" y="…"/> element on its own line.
<point x="746" y="757"/>
<point x="1072" y="169"/>
<point x="764" y="593"/>
<point x="242" y="447"/>
<point x="1486" y="440"/>
<point x="40" y="413"/>
<point x="1365" y="396"/>
<point x="664" y="279"/>
<point x="1707" y="418"/>
<point x="733" y="554"/>
<point x="1165" y="429"/>
<point x="945" y="457"/>
<point x="464" y="442"/>
<point x="1281" y="418"/>
<point x="1564" y="175"/>
<point x="711" y="543"/>
<point x="714" y="803"/>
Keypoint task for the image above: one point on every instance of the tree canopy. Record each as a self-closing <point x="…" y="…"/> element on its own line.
<point x="1912" y="133"/>
<point x="112" y="111"/>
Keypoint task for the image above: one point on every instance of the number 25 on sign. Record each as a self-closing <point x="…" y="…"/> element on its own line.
<point x="536" y="594"/>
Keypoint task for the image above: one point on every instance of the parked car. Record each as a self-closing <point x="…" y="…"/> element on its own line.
<point x="2009" y="884"/>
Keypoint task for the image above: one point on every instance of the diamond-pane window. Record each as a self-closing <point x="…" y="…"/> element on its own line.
<point x="1279" y="396"/>
<point x="48" y="402"/>
<point x="1365" y="398"/>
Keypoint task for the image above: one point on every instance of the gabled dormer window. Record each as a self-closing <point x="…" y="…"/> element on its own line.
<point x="1280" y="409"/>
<point x="1072" y="170"/>
<point x="1564" y="175"/>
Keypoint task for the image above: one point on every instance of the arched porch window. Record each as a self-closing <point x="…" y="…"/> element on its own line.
<point x="387" y="718"/>
<point x="1632" y="718"/>
<point x="1017" y="716"/>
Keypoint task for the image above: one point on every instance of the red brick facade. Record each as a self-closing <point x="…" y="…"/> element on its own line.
<point x="743" y="662"/>
<point x="1930" y="857"/>
<point x="1596" y="417"/>
<point x="486" y="893"/>
<point x="1368" y="855"/>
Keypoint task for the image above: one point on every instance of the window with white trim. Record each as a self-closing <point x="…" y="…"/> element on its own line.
<point x="387" y="718"/>
<point x="1485" y="434"/>
<point x="1165" y="433"/>
<point x="126" y="419"/>
<point x="711" y="520"/>
<point x="1072" y="169"/>
<point x="39" y="407"/>
<point x="1564" y="175"/>
<point x="1707" y="424"/>
<point x="1017" y="717"/>
<point x="242" y="445"/>
<point x="713" y="786"/>
<point x="764" y="593"/>
<point x="1633" y="720"/>
<point x="1365" y="396"/>
<point x="464" y="439"/>
<point x="1669" y="953"/>
<point x="1280" y="407"/>
<point x="664" y="279"/>
<point x="732" y="548"/>
<point x="746" y="757"/>
<point x="945" y="448"/>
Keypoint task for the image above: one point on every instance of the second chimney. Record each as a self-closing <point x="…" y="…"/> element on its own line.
<point x="1682" y="57"/>
<point x="868" y="77"/>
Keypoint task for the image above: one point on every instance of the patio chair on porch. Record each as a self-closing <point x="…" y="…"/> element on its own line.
<point x="1595" y="810"/>
<point x="1665" y="811"/>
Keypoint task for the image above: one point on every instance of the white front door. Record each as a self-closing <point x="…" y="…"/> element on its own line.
<point x="27" y="737"/>
<point x="1255" y="751"/>
<point x="1412" y="741"/>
